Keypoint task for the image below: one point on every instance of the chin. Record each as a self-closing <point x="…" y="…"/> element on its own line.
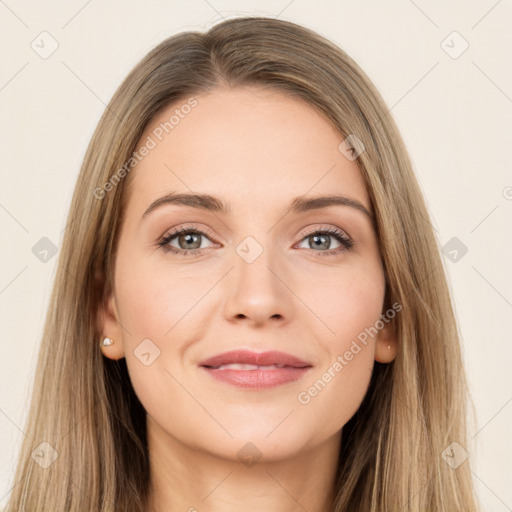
<point x="264" y="439"/>
<point x="251" y="450"/>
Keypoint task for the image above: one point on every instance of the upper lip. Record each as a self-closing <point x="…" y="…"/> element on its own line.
<point x="256" y="358"/>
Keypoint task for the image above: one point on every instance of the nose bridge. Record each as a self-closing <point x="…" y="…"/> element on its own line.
<point x="256" y="288"/>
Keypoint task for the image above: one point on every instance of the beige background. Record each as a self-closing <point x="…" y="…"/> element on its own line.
<point x="454" y="112"/>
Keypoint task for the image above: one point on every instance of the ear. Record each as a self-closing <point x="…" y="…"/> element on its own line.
<point x="108" y="324"/>
<point x="386" y="344"/>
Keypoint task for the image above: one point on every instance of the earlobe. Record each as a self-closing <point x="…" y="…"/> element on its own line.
<point x="110" y="349"/>
<point x="110" y="338"/>
<point x="386" y="345"/>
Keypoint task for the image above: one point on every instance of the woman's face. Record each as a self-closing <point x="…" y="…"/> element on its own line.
<point x="260" y="276"/>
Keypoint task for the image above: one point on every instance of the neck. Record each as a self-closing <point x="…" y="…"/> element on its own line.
<point x="196" y="481"/>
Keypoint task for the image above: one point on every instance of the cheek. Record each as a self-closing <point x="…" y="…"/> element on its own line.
<point x="351" y="310"/>
<point x="161" y="303"/>
<point x="348" y="300"/>
<point x="153" y="306"/>
<point x="335" y="394"/>
<point x="153" y="300"/>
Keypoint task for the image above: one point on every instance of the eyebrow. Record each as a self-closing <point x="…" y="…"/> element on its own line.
<point x="298" y="205"/>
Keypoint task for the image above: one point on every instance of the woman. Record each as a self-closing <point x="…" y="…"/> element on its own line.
<point x="301" y="352"/>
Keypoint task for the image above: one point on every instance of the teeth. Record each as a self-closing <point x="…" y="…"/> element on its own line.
<point x="236" y="366"/>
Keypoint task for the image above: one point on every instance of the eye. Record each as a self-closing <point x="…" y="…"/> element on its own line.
<point x="187" y="239"/>
<point x="320" y="240"/>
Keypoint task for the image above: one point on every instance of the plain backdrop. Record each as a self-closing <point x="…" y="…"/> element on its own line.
<point x="443" y="67"/>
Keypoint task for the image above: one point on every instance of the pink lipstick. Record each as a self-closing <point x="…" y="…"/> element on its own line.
<point x="257" y="370"/>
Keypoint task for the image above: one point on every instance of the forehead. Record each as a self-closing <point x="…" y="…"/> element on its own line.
<point x="251" y="146"/>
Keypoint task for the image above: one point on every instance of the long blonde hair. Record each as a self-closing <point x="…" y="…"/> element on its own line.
<point x="84" y="405"/>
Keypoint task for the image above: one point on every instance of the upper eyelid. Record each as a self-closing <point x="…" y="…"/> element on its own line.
<point x="185" y="228"/>
<point x="314" y="229"/>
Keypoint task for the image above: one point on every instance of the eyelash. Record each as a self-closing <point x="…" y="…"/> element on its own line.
<point x="339" y="235"/>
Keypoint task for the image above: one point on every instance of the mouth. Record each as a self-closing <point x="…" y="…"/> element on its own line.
<point x="256" y="370"/>
<point x="238" y="366"/>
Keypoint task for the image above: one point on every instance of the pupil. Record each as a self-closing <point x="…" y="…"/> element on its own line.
<point x="189" y="239"/>
<point x="317" y="238"/>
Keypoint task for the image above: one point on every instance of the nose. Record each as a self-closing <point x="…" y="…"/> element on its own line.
<point x="257" y="291"/>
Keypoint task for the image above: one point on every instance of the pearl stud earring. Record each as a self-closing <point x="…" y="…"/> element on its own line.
<point x="106" y="342"/>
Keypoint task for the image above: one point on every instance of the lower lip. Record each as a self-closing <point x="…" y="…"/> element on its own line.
<point x="258" y="379"/>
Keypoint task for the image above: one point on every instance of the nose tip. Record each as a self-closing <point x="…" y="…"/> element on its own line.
<point x="257" y="292"/>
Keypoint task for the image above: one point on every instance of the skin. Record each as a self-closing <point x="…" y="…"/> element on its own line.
<point x="257" y="150"/>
